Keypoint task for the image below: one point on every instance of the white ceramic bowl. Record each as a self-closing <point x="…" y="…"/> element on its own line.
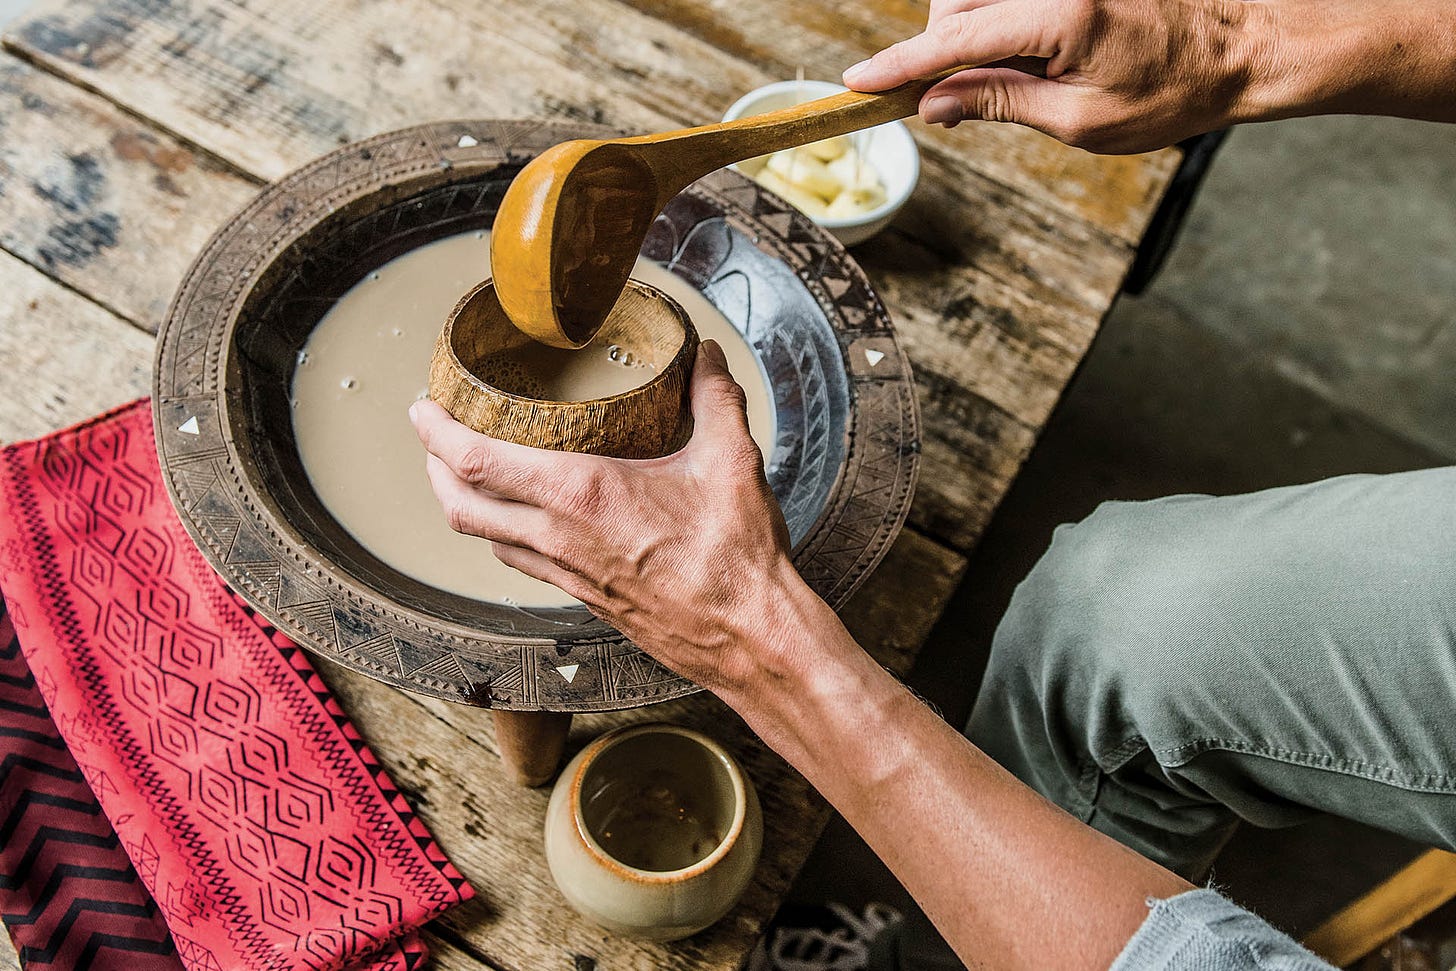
<point x="890" y="148"/>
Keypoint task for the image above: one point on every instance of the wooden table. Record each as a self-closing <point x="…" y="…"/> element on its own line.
<point x="131" y="129"/>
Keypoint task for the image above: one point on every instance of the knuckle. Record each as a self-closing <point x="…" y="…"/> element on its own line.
<point x="994" y="101"/>
<point x="949" y="31"/>
<point x="474" y="463"/>
<point x="731" y="395"/>
<point x="557" y="549"/>
<point x="744" y="458"/>
<point x="731" y="458"/>
<point x="460" y="516"/>
<point x="586" y="493"/>
<point x="1081" y="11"/>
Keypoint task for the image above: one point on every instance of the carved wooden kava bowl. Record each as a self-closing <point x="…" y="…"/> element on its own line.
<point x="476" y="377"/>
<point x="842" y="466"/>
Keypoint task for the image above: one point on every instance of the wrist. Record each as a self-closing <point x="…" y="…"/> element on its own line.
<point x="782" y="625"/>
<point x="1343" y="57"/>
<point x="810" y="685"/>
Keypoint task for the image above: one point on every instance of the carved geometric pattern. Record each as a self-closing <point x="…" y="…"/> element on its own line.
<point x="843" y="465"/>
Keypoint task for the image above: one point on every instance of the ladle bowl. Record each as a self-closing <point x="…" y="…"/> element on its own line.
<point x="842" y="465"/>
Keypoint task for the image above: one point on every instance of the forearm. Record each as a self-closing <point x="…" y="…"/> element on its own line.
<point x="1353" y="57"/>
<point x="1011" y="880"/>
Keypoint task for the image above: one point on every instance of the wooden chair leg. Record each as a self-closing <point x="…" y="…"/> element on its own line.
<point x="531" y="743"/>
<point x="1413" y="892"/>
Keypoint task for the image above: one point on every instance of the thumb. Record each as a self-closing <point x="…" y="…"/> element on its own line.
<point x="720" y="408"/>
<point x="996" y="94"/>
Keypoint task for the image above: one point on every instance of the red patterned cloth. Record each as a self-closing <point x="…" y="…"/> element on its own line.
<point x="254" y="815"/>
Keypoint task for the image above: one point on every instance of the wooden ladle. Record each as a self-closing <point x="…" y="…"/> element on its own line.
<point x="571" y="224"/>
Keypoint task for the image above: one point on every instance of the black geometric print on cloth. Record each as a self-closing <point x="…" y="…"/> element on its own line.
<point x="68" y="892"/>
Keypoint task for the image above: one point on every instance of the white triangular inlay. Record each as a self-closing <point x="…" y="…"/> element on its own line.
<point x="467" y="141"/>
<point x="874" y="357"/>
<point x="568" y="671"/>
<point x="189" y="427"/>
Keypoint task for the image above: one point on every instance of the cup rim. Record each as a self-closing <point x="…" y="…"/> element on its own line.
<point x="677" y="360"/>
<point x="892" y="204"/>
<point x="615" y="737"/>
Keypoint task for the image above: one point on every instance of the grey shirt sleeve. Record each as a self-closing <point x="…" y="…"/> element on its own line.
<point x="1203" y="931"/>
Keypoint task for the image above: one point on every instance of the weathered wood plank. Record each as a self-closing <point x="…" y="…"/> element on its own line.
<point x="995" y="294"/>
<point x="102" y="200"/>
<point x="443" y="757"/>
<point x="260" y="85"/>
<point x="593" y="59"/>
<point x="449" y="953"/>
<point x="63" y="357"/>
<point x="178" y="63"/>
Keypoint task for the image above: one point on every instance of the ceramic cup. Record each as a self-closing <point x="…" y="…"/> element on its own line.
<point x="653" y="831"/>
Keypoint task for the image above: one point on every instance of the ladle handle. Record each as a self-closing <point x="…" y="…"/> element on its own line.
<point x="706" y="148"/>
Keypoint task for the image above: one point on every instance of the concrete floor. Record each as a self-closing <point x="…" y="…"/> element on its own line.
<point x="1303" y="327"/>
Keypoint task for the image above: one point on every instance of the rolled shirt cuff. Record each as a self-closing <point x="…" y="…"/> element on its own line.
<point x="1203" y="931"/>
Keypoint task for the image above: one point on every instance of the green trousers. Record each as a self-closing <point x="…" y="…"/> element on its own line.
<point x="1172" y="667"/>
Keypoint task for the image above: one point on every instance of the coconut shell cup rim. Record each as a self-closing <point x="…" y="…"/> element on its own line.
<point x="686" y="349"/>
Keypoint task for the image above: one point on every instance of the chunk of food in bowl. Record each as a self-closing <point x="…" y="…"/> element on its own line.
<point x="825" y="179"/>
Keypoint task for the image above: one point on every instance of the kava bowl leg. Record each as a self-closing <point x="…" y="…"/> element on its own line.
<point x="531" y="743"/>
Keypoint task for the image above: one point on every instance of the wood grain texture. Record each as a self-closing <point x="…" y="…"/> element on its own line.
<point x="599" y="60"/>
<point x="102" y="200"/>
<point x="63" y="358"/>
<point x="263" y="88"/>
<point x="444" y="758"/>
<point x="271" y="85"/>
<point x="995" y="284"/>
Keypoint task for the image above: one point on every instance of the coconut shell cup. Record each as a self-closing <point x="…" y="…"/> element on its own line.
<point x="474" y="377"/>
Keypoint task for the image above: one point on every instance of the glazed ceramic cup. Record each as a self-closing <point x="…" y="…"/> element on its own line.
<point x="653" y="831"/>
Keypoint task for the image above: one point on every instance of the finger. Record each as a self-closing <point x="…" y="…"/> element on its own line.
<point x="533" y="564"/>
<point x="473" y="512"/>
<point x="998" y="94"/>
<point x="720" y="407"/>
<point x="972" y="38"/>
<point x="504" y="468"/>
